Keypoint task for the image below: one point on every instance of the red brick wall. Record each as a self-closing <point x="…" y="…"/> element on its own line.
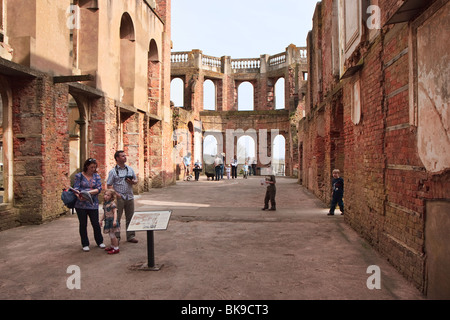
<point x="41" y="147"/>
<point x="386" y="184"/>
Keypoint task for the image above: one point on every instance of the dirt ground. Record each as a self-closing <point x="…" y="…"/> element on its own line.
<point x="219" y="245"/>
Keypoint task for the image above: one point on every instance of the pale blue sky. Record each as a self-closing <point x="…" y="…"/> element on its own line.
<point x="240" y="28"/>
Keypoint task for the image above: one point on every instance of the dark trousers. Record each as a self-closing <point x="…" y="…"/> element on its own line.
<point x="337" y="199"/>
<point x="83" y="215"/>
<point x="218" y="172"/>
<point x="197" y="174"/>
<point x="270" y="195"/>
<point x="234" y="172"/>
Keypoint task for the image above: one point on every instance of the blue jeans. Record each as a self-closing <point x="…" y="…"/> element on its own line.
<point x="83" y="215"/>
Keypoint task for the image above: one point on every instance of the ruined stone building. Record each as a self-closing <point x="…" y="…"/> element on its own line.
<point x="262" y="120"/>
<point x="81" y="79"/>
<point x="377" y="109"/>
<point x="369" y="95"/>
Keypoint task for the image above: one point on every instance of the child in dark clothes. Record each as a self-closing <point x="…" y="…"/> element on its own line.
<point x="338" y="193"/>
<point x="271" y="191"/>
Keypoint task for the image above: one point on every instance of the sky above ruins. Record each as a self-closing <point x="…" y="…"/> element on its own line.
<point x="240" y="28"/>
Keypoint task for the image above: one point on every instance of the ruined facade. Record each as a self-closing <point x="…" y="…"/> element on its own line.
<point x="81" y="79"/>
<point x="377" y="109"/>
<point x="262" y="122"/>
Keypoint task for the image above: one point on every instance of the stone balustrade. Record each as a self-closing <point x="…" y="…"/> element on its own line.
<point x="180" y="57"/>
<point x="196" y="58"/>
<point x="277" y="59"/>
<point x="211" y="61"/>
<point x="252" y="63"/>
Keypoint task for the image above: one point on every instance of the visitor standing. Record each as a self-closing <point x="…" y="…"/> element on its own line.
<point x="234" y="164"/>
<point x="271" y="191"/>
<point x="121" y="179"/>
<point x="88" y="185"/>
<point x="218" y="167"/>
<point x="337" y="193"/>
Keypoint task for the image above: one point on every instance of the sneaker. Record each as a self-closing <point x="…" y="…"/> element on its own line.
<point x="102" y="246"/>
<point x="86" y="249"/>
<point x="330" y="214"/>
<point x="264" y="208"/>
<point x="109" y="249"/>
<point x="114" y="251"/>
<point x="272" y="209"/>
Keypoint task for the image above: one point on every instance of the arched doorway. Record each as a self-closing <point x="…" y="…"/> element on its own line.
<point x="210" y="148"/>
<point x="246" y="150"/>
<point x="6" y="144"/>
<point x="279" y="155"/>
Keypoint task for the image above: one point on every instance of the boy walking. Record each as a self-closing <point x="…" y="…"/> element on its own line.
<point x="338" y="193"/>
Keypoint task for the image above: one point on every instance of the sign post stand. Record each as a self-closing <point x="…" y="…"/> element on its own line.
<point x="151" y="252"/>
<point x="149" y="221"/>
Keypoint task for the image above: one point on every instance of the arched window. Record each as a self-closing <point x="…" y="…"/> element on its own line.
<point x="127" y="59"/>
<point x="279" y="155"/>
<point x="209" y="95"/>
<point x="177" y="92"/>
<point x="280" y="94"/>
<point x="245" y="97"/>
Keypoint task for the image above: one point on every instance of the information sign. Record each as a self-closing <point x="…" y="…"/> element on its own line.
<point x="149" y="221"/>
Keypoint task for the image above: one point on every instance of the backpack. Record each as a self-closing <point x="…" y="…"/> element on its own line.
<point x="69" y="198"/>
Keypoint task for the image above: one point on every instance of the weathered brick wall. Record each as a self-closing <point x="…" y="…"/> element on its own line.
<point x="55" y="147"/>
<point x="386" y="184"/>
<point x="364" y="149"/>
<point x="40" y="148"/>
